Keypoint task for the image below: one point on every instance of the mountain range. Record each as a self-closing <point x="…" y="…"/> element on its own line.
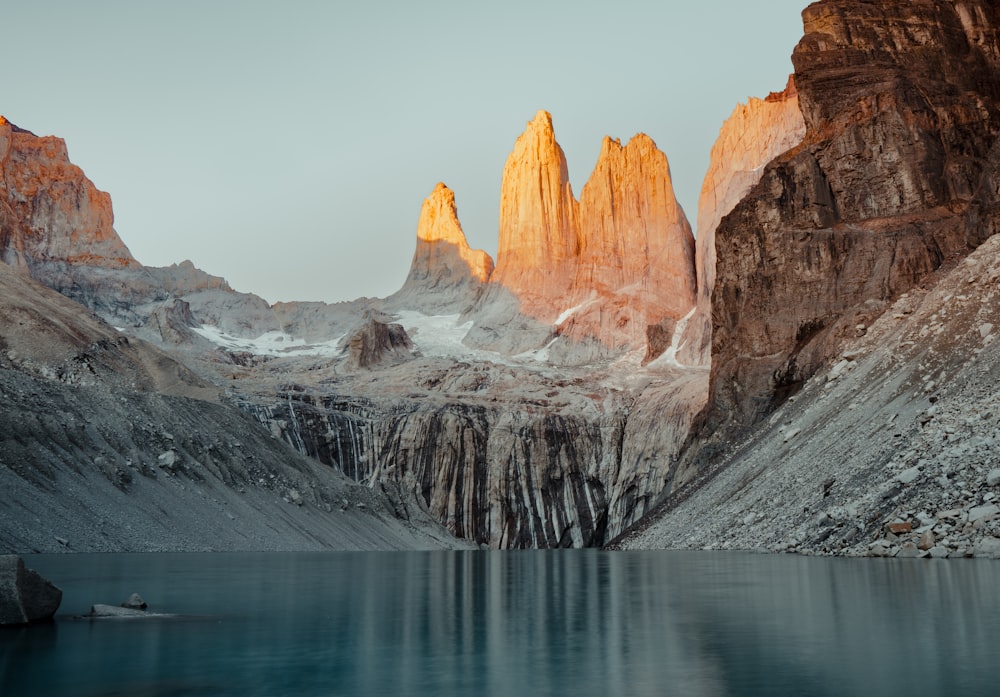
<point x="814" y="371"/>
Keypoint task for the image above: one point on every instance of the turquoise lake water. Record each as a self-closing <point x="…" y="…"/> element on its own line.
<point x="568" y="622"/>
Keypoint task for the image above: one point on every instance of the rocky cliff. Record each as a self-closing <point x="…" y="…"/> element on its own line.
<point x="900" y="103"/>
<point x="602" y="272"/>
<point x="446" y="275"/>
<point x="49" y="211"/>
<point x="753" y="135"/>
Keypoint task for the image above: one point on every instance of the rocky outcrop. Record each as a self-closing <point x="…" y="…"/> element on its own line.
<point x="49" y="211"/>
<point x="377" y="343"/>
<point x="539" y="222"/>
<point x="446" y="275"/>
<point x="602" y="270"/>
<point x="889" y="450"/>
<point x="25" y="596"/>
<point x="900" y="102"/>
<point x="635" y="267"/>
<point x="753" y="135"/>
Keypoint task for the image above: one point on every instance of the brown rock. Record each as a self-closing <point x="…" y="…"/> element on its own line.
<point x="378" y="343"/>
<point x="899" y="528"/>
<point x="901" y="104"/>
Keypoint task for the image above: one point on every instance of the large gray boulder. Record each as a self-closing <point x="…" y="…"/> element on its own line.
<point x="24" y="595"/>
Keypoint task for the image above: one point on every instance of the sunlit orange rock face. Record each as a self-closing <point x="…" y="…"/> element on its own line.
<point x="621" y="259"/>
<point x="49" y="210"/>
<point x="539" y="222"/>
<point x="753" y="135"/>
<point x="439" y="226"/>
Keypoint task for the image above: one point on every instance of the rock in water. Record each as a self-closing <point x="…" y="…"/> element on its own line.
<point x="24" y="595"/>
<point x="135" y="602"/>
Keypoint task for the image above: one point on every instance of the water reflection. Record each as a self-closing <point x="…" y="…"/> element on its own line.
<point x="515" y="623"/>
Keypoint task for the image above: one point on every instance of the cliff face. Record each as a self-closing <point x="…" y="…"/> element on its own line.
<point x="49" y="211"/>
<point x="603" y="270"/>
<point x="753" y="135"/>
<point x="498" y="455"/>
<point x="900" y="102"/>
<point x="539" y="221"/>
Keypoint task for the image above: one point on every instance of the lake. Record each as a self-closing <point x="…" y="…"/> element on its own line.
<point x="567" y="622"/>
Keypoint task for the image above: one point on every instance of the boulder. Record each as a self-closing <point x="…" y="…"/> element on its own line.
<point x="25" y="596"/>
<point x="135" y="602"/>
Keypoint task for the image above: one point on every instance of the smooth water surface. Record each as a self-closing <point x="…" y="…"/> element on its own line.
<point x="570" y="622"/>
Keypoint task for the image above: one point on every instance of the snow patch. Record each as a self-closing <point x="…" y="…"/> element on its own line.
<point x="441" y="335"/>
<point x="669" y="357"/>
<point x="273" y="343"/>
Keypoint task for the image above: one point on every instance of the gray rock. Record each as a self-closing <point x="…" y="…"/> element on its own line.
<point x="993" y="478"/>
<point x="880" y="548"/>
<point x="908" y="476"/>
<point x="908" y="551"/>
<point x="135" y="602"/>
<point x="988" y="548"/>
<point x="169" y="460"/>
<point x="980" y="512"/>
<point x="24" y="595"/>
<point x="116" y="611"/>
<point x="939" y="552"/>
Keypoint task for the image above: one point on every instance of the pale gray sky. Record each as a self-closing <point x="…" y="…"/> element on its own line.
<point x="288" y="146"/>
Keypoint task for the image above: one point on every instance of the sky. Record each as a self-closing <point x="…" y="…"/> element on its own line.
<point x="288" y="146"/>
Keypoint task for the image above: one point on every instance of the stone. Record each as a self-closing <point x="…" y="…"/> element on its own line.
<point x="880" y="548"/>
<point x="135" y="602"/>
<point x="993" y="478"/>
<point x="927" y="540"/>
<point x="939" y="552"/>
<point x="379" y="343"/>
<point x="908" y="476"/>
<point x="908" y="551"/>
<point x="25" y="597"/>
<point x="116" y="611"/>
<point x="987" y="548"/>
<point x="899" y="528"/>
<point x="979" y="513"/>
<point x="539" y="222"/>
<point x="607" y="268"/>
<point x="169" y="460"/>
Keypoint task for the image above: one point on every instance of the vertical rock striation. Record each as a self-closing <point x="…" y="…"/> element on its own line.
<point x="636" y="262"/>
<point x="902" y="107"/>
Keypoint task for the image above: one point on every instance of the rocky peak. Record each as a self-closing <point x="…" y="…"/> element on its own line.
<point x="50" y="211"/>
<point x="446" y="275"/>
<point x="539" y="228"/>
<point x="439" y="224"/>
<point x="636" y="262"/>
